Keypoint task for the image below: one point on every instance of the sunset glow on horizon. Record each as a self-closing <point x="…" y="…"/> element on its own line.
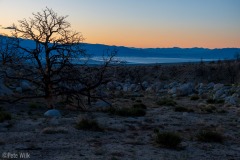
<point x="140" y="23"/>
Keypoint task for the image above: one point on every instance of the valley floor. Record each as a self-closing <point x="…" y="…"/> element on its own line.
<point x="123" y="137"/>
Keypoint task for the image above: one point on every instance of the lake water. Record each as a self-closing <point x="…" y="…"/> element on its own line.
<point x="152" y="60"/>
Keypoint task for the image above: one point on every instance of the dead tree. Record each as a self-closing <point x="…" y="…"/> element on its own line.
<point x="85" y="80"/>
<point x="8" y="50"/>
<point x="53" y="49"/>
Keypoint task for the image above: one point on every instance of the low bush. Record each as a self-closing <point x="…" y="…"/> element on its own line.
<point x="183" y="109"/>
<point x="168" y="139"/>
<point x="130" y="112"/>
<point x="194" y="97"/>
<point x="53" y="130"/>
<point x="167" y="102"/>
<point x="209" y="109"/>
<point x="86" y="124"/>
<point x="137" y="110"/>
<point x="33" y="105"/>
<point x="210" y="136"/>
<point x="140" y="106"/>
<point x="213" y="101"/>
<point x="5" y="116"/>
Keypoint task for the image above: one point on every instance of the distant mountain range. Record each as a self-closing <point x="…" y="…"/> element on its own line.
<point x="197" y="53"/>
<point x="156" y="55"/>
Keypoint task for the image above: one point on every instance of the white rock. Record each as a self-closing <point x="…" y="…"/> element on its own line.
<point x="4" y="90"/>
<point x="19" y="89"/>
<point x="25" y="85"/>
<point x="185" y="89"/>
<point x="53" y="113"/>
<point x="218" y="86"/>
<point x="102" y="104"/>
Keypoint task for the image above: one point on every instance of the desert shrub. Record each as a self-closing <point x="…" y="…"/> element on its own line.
<point x="129" y="96"/>
<point x="133" y="98"/>
<point x="210" y="136"/>
<point x="140" y="105"/>
<point x="209" y="109"/>
<point x="53" y="130"/>
<point x="137" y="110"/>
<point x="33" y="105"/>
<point x="2" y="142"/>
<point x="168" y="139"/>
<point x="183" y="109"/>
<point x="5" y="116"/>
<point x="156" y="130"/>
<point x="194" y="97"/>
<point x="166" y="101"/>
<point x="86" y="124"/>
<point x="221" y="101"/>
<point x="213" y="101"/>
<point x="222" y="111"/>
<point x="139" y="100"/>
<point x="130" y="112"/>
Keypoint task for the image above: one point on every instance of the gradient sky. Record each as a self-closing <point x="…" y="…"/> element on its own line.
<point x="141" y="23"/>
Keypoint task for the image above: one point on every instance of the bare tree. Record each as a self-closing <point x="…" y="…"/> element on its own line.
<point x="53" y="49"/>
<point x="8" y="50"/>
<point x="85" y="81"/>
<point x="50" y="60"/>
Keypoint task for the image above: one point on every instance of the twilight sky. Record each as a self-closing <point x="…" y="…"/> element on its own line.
<point x="141" y="23"/>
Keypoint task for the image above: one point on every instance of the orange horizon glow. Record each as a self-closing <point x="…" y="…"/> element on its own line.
<point x="149" y="41"/>
<point x="140" y="23"/>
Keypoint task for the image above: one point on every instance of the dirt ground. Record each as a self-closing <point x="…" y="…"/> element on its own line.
<point x="32" y="135"/>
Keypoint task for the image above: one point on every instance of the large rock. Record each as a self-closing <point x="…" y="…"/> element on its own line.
<point x="53" y="113"/>
<point x="218" y="86"/>
<point x="25" y="85"/>
<point x="156" y="87"/>
<point x="134" y="88"/>
<point x="4" y="90"/>
<point x="111" y="86"/>
<point x="210" y="85"/>
<point x="126" y="87"/>
<point x="185" y="89"/>
<point x="219" y="94"/>
<point x="145" y="85"/>
<point x="102" y="104"/>
<point x="233" y="100"/>
<point x="173" y="90"/>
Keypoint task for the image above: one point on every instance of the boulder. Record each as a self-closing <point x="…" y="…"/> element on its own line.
<point x="145" y="85"/>
<point x="150" y="89"/>
<point x="102" y="104"/>
<point x="210" y="85"/>
<point x="25" y="85"/>
<point x="53" y="113"/>
<point x="173" y="90"/>
<point x="156" y="86"/>
<point x="218" y="86"/>
<point x="111" y="86"/>
<point x="219" y="94"/>
<point x="231" y="100"/>
<point x="4" y="91"/>
<point x="185" y="89"/>
<point x="19" y="89"/>
<point x="126" y="87"/>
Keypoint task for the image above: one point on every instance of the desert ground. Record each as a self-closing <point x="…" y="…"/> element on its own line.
<point x="182" y="112"/>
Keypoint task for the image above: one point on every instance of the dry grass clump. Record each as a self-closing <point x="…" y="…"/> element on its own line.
<point x="4" y="116"/>
<point x="137" y="110"/>
<point x="210" y="136"/>
<point x="54" y="130"/>
<point x="168" y="139"/>
<point x="87" y="124"/>
<point x="166" y="102"/>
